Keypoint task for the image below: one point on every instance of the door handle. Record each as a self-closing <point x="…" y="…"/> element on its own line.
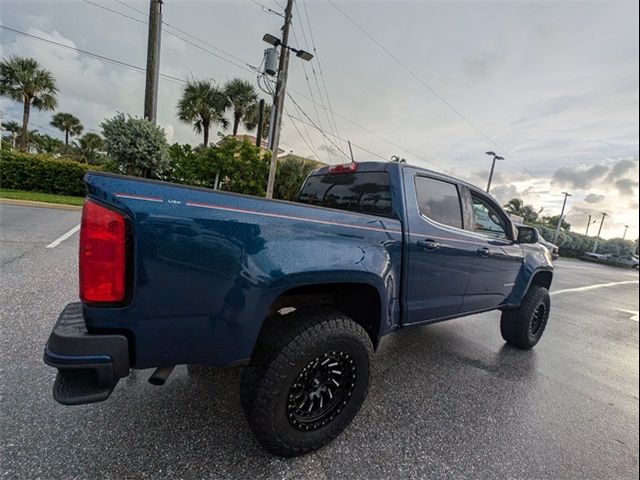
<point x="484" y="252"/>
<point x="428" y="245"/>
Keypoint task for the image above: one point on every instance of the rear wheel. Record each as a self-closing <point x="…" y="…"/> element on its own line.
<point x="304" y="387"/>
<point x="523" y="327"/>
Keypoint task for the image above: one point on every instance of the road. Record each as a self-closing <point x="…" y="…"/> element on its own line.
<point x="447" y="401"/>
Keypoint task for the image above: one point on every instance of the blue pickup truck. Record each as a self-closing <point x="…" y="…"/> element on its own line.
<point x="298" y="293"/>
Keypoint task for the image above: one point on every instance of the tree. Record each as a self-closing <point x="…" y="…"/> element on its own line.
<point x="514" y="206"/>
<point x="203" y="105"/>
<point x="13" y="128"/>
<point x="291" y="173"/>
<point x="242" y="96"/>
<point x="44" y="143"/>
<point x="137" y="146"/>
<point x="252" y="116"/>
<point x="89" y="146"/>
<point x="552" y="221"/>
<point x="69" y="124"/>
<point x="23" y="80"/>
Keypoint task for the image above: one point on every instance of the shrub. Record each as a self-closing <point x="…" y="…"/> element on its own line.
<point x="136" y="146"/>
<point x="42" y="173"/>
<point x="239" y="165"/>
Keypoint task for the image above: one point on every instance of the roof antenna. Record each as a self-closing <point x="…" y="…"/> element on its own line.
<point x="353" y="160"/>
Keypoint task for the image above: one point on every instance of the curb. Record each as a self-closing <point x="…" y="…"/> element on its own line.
<point x="31" y="203"/>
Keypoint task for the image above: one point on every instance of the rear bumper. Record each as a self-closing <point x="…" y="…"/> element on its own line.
<point x="89" y="366"/>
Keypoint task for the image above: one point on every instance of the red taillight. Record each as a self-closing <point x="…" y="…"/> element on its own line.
<point x="344" y="168"/>
<point x="102" y="254"/>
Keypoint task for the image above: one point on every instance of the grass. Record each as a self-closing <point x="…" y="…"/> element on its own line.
<point x="40" y="197"/>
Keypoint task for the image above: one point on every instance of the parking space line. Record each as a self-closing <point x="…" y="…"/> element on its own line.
<point x="62" y="238"/>
<point x="592" y="287"/>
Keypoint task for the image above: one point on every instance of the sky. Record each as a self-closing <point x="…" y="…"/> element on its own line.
<point x="550" y="86"/>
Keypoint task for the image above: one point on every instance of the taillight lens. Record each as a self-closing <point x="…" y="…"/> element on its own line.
<point x="102" y="254"/>
<point x="344" y="168"/>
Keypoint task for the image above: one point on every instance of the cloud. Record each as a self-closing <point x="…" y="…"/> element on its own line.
<point x="621" y="167"/>
<point x="579" y="177"/>
<point x="626" y="186"/>
<point x="594" y="198"/>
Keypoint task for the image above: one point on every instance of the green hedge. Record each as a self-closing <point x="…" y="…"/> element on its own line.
<point x="42" y="173"/>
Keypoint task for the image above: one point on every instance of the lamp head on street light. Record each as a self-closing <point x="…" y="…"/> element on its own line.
<point x="498" y="157"/>
<point x="491" y="153"/>
<point x="304" y="55"/>
<point x="271" y="40"/>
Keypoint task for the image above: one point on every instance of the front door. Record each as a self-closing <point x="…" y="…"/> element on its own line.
<point x="498" y="257"/>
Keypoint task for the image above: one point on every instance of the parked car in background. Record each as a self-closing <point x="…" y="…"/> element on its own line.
<point x="554" y="250"/>
<point x="616" y="260"/>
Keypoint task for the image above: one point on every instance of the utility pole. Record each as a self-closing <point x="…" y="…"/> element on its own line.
<point x="275" y="121"/>
<point x="564" y="204"/>
<point x="586" y="234"/>
<point x="278" y="99"/>
<point x="153" y="60"/>
<point x="624" y="235"/>
<point x="595" y="247"/>
<point x="260" y="122"/>
<point x="493" y="166"/>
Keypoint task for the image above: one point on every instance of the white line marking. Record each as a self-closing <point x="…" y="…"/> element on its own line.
<point x="592" y="287"/>
<point x="62" y="238"/>
<point x="635" y="316"/>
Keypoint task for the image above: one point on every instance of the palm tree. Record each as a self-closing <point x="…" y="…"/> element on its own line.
<point x="23" y="80"/>
<point x="89" y="145"/>
<point x="242" y="95"/>
<point x="251" y="118"/>
<point x="13" y="128"/>
<point x="514" y="206"/>
<point x="67" y="123"/>
<point x="203" y="104"/>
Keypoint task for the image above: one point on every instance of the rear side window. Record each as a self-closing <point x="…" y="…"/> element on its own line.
<point x="366" y="192"/>
<point x="439" y="201"/>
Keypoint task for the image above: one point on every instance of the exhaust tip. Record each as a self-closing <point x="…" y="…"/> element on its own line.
<point x="159" y="377"/>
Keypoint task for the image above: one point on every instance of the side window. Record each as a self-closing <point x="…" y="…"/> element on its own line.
<point x="439" y="201"/>
<point x="487" y="218"/>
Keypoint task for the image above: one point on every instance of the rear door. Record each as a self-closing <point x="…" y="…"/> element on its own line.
<point x="498" y="257"/>
<point x="438" y="259"/>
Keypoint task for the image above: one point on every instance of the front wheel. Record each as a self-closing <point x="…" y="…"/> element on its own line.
<point x="307" y="381"/>
<point x="523" y="327"/>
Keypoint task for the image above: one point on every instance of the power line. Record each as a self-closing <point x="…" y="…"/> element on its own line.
<point x="306" y="77"/>
<point x="242" y="66"/>
<point x="33" y="124"/>
<point x="302" y="136"/>
<point x="424" y="84"/>
<point x="267" y="9"/>
<point x="317" y="60"/>
<point x="316" y="126"/>
<point x="360" y="147"/>
<point x="90" y="54"/>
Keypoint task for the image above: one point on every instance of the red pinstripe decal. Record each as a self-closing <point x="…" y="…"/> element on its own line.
<point x="139" y="197"/>
<point x="288" y="217"/>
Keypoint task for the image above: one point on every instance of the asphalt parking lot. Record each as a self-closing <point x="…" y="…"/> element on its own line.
<point x="447" y="401"/>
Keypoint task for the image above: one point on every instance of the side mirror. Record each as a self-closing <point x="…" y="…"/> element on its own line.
<point x="527" y="235"/>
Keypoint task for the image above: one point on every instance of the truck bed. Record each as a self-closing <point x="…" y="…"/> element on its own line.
<point x="207" y="266"/>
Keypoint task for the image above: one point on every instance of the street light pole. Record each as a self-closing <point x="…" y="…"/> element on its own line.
<point x="624" y="235"/>
<point x="493" y="166"/>
<point x="586" y="234"/>
<point x="564" y="204"/>
<point x="595" y="247"/>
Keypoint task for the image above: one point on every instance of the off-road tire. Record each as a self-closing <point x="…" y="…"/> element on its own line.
<point x="523" y="327"/>
<point x="285" y="347"/>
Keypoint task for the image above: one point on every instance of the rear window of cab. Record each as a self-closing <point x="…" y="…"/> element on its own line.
<point x="365" y="192"/>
